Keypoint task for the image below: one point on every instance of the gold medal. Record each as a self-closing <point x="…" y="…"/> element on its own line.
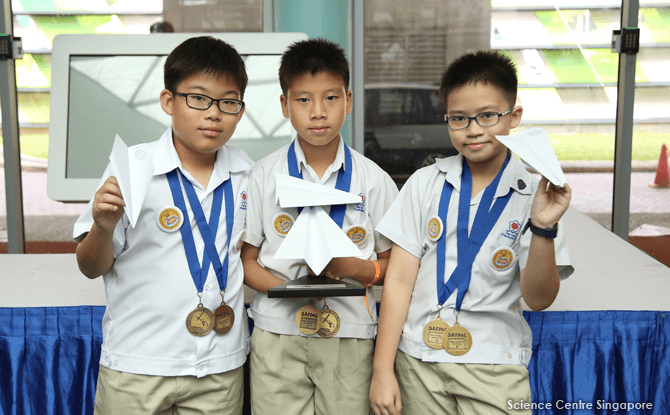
<point x="170" y="219"/>
<point x="199" y="321"/>
<point x="224" y="318"/>
<point x="282" y="223"/>
<point x="457" y="340"/>
<point x="502" y="258"/>
<point x="330" y="322"/>
<point x="356" y="233"/>
<point x="433" y="332"/>
<point x="308" y="319"/>
<point x="435" y="228"/>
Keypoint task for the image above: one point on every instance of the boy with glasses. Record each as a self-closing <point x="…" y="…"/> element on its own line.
<point x="175" y="331"/>
<point x="462" y="261"/>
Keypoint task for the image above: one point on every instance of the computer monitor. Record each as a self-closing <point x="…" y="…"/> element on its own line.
<point x="103" y="85"/>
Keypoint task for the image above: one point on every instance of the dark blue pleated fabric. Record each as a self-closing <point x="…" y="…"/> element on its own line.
<point x="49" y="360"/>
<point x="602" y="358"/>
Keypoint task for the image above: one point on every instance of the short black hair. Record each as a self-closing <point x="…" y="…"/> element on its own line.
<point x="484" y="66"/>
<point x="312" y="56"/>
<point x="204" y="54"/>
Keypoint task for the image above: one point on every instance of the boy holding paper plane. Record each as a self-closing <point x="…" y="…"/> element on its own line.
<point x="175" y="331"/>
<point x="461" y="260"/>
<point x="301" y="368"/>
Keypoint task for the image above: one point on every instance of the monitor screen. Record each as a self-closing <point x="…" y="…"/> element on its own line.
<point x="110" y="84"/>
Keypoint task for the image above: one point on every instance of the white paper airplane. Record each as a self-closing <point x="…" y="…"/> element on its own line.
<point x="535" y="150"/>
<point x="133" y="170"/>
<point x="315" y="238"/>
<point x="294" y="192"/>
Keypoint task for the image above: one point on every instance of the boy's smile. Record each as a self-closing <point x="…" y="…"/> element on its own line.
<point x="198" y="132"/>
<point x="317" y="106"/>
<point x="478" y="144"/>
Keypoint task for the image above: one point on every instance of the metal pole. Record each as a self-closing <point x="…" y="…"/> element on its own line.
<point x="358" y="74"/>
<point x="623" y="144"/>
<point x="268" y="16"/>
<point x="10" y="137"/>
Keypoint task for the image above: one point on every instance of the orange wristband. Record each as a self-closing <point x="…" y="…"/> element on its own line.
<point x="374" y="280"/>
<point x="377" y="273"/>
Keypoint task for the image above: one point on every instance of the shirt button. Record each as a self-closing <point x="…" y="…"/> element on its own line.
<point x="430" y="352"/>
<point x="509" y="355"/>
<point x="207" y="287"/>
<point x="200" y="368"/>
<point x="116" y="362"/>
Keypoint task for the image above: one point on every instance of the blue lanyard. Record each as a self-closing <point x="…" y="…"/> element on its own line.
<point x="343" y="180"/>
<point x="468" y="245"/>
<point x="207" y="232"/>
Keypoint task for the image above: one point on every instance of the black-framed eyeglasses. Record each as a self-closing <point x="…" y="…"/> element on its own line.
<point x="485" y="119"/>
<point x="203" y="102"/>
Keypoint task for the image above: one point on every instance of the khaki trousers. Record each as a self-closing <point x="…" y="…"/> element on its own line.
<point x="455" y="388"/>
<point x="294" y="375"/>
<point x="126" y="393"/>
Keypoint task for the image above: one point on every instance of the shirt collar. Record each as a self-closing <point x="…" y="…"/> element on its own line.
<point x="515" y="175"/>
<point x="166" y="159"/>
<point x="335" y="166"/>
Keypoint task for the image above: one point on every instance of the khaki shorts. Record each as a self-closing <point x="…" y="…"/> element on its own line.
<point x="295" y="375"/>
<point x="455" y="388"/>
<point x="126" y="393"/>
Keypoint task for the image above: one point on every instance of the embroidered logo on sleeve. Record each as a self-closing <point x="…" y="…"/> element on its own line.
<point x="361" y="206"/>
<point x="513" y="230"/>
<point x="243" y="204"/>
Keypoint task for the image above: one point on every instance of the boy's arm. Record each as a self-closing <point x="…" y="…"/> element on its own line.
<point x="95" y="254"/>
<point x="539" y="280"/>
<point x="402" y="272"/>
<point x="255" y="276"/>
<point x="363" y="270"/>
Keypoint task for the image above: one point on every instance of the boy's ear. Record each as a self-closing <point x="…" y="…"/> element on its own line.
<point x="167" y="101"/>
<point x="349" y="101"/>
<point x="516" y="114"/>
<point x="284" y="105"/>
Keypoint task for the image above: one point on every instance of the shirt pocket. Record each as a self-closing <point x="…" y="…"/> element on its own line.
<point x="496" y="265"/>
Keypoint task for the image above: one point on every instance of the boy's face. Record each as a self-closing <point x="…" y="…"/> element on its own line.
<point x="476" y="143"/>
<point x="317" y="106"/>
<point x="196" y="131"/>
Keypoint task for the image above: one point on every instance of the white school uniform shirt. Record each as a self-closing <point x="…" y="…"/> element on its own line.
<point x="491" y="309"/>
<point x="277" y="315"/>
<point x="149" y="289"/>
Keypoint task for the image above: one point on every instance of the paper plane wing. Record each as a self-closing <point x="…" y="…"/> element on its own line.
<point x="133" y="170"/>
<point x="293" y="192"/>
<point x="315" y="238"/>
<point x="535" y="150"/>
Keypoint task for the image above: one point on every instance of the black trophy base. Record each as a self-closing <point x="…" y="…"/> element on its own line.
<point x="309" y="286"/>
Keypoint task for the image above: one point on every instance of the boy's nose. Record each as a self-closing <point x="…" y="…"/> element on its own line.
<point x="474" y="129"/>
<point x="318" y="110"/>
<point x="213" y="112"/>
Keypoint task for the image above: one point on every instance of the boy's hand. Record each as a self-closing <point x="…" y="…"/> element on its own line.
<point x="337" y="268"/>
<point x="385" y="394"/>
<point x="108" y="205"/>
<point x="550" y="203"/>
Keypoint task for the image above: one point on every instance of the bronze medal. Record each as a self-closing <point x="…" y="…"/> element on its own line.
<point x="199" y="321"/>
<point x="433" y="333"/>
<point x="224" y="318"/>
<point x="308" y="319"/>
<point x="457" y="340"/>
<point x="330" y="323"/>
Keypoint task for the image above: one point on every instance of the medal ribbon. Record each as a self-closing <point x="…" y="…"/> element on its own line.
<point x="207" y="231"/>
<point x="468" y="245"/>
<point x="343" y="180"/>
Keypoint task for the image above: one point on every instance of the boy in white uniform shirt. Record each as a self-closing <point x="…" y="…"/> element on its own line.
<point x="293" y="372"/>
<point x="175" y="331"/>
<point x="457" y="273"/>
